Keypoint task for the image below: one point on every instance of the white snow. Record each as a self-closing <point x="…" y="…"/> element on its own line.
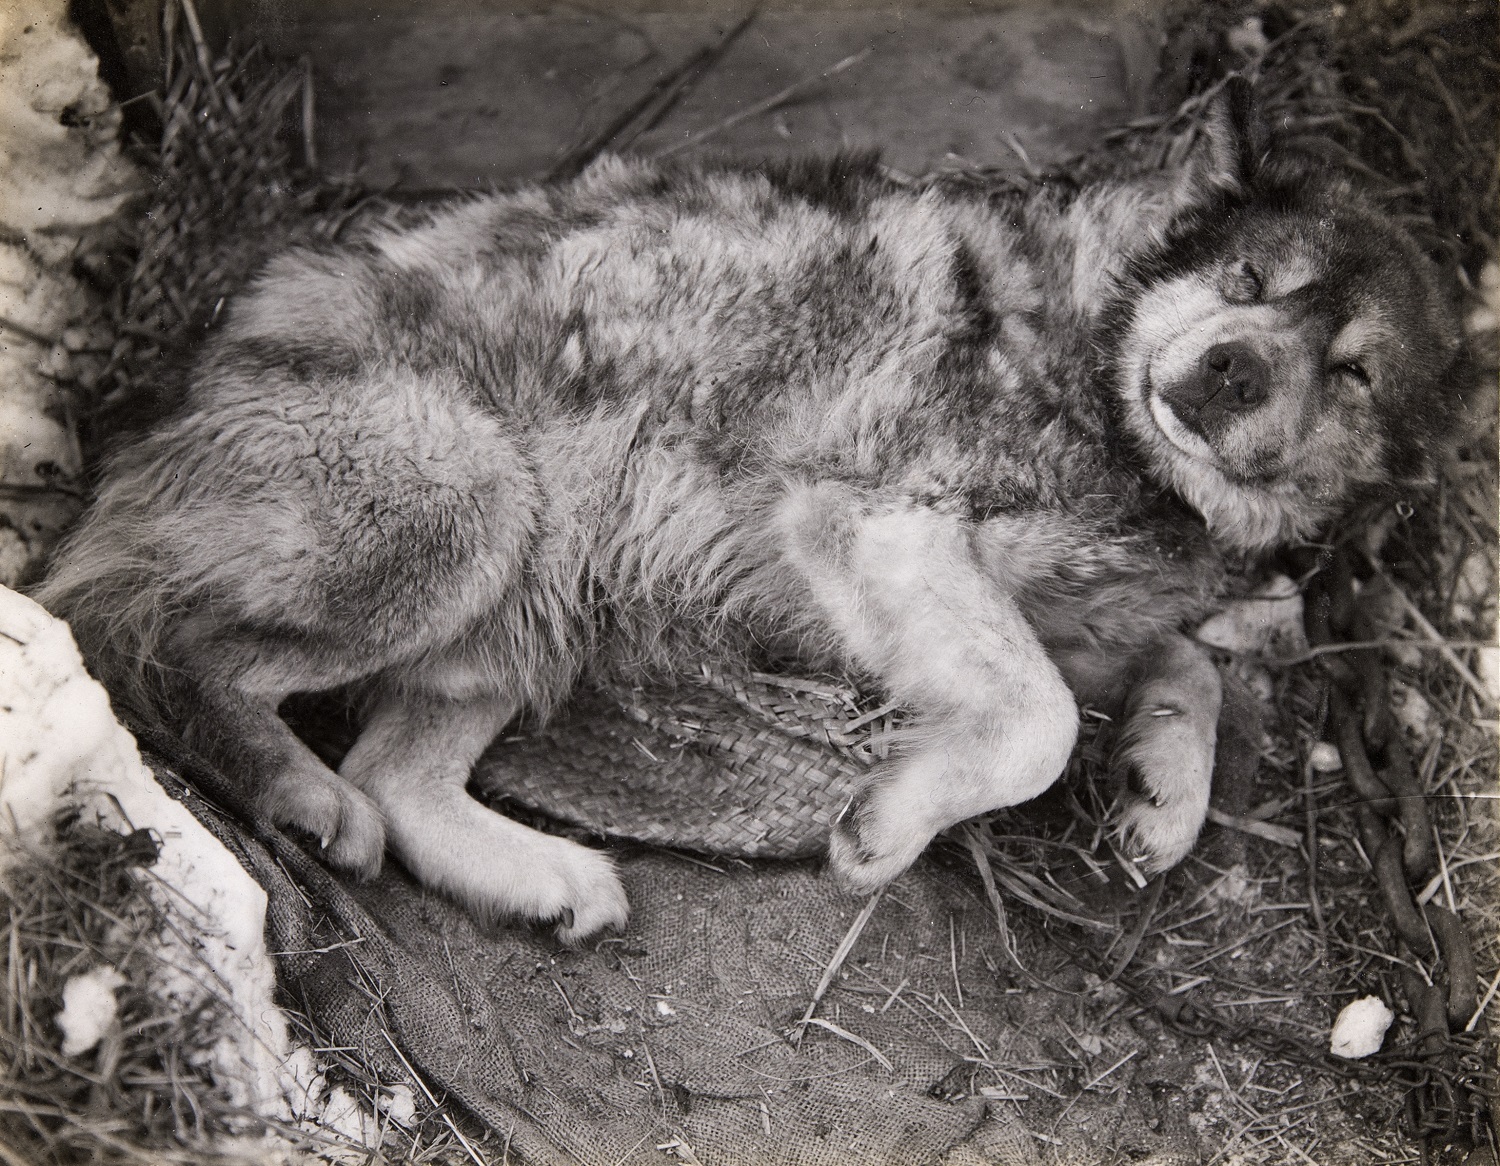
<point x="89" y="1008"/>
<point x="343" y="1116"/>
<point x="1489" y="670"/>
<point x="60" y="744"/>
<point x="398" y="1104"/>
<point x="1360" y="1028"/>
<point x="62" y="176"/>
<point x="56" y="175"/>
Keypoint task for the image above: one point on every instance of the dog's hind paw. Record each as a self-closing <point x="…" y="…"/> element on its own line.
<point x="347" y="824"/>
<point x="590" y="898"/>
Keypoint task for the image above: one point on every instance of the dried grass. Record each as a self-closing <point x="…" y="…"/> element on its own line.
<point x="1264" y="936"/>
<point x="145" y="1094"/>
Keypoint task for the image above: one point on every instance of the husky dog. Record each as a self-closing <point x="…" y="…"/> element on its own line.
<point x="991" y="453"/>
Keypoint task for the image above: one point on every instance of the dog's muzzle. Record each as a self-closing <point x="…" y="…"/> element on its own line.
<point x="1229" y="380"/>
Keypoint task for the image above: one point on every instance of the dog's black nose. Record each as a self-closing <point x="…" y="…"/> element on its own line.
<point x="1228" y="380"/>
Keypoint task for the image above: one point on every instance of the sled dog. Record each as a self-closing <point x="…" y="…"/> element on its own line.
<point x="991" y="453"/>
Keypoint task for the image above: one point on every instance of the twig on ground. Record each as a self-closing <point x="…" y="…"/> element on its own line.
<point x="958" y="987"/>
<point x="1269" y="831"/>
<point x="1489" y="994"/>
<point x="1321" y="650"/>
<point x="1486" y="700"/>
<point x="1123" y="1060"/>
<point x="661" y="1094"/>
<point x="984" y="1049"/>
<point x="992" y="892"/>
<point x="775" y="101"/>
<point x="1138" y="932"/>
<point x="852" y="1038"/>
<point x="200" y="50"/>
<point x="433" y="1101"/>
<point x="26" y="333"/>
<point x="652" y="106"/>
<point x="841" y="953"/>
<point x="1241" y="941"/>
<point x="1435" y="884"/>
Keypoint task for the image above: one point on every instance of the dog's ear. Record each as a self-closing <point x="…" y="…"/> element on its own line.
<point x="1228" y="145"/>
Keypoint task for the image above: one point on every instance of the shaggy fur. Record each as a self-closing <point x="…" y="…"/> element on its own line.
<point x="991" y="454"/>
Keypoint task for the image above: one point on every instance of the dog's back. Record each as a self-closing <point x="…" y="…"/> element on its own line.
<point x="600" y="386"/>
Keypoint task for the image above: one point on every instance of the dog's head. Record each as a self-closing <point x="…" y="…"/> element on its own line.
<point x="1285" y="350"/>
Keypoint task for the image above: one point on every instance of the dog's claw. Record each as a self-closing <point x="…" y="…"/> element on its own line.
<point x="567" y="918"/>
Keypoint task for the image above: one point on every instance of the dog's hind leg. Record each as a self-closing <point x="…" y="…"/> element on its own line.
<point x="413" y="758"/>
<point x="1167" y="747"/>
<point x="905" y="594"/>
<point x="227" y="696"/>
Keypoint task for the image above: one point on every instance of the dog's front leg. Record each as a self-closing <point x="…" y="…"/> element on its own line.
<point x="904" y="594"/>
<point x="1167" y="746"/>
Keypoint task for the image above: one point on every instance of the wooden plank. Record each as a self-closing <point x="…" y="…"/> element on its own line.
<point x="456" y="93"/>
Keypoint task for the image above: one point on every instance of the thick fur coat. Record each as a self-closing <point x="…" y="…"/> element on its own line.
<point x="990" y="453"/>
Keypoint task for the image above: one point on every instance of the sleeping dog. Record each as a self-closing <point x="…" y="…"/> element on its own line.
<point x="990" y="453"/>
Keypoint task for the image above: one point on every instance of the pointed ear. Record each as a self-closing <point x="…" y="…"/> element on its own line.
<point x="1226" y="148"/>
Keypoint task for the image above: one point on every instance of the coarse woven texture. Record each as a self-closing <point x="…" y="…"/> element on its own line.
<point x="678" y="1031"/>
<point x="752" y="766"/>
<point x="943" y="1039"/>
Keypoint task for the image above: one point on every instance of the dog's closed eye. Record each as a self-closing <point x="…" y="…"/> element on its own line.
<point x="1352" y="370"/>
<point x="1244" y="283"/>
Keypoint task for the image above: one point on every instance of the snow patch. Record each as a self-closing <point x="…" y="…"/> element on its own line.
<point x="89" y="1008"/>
<point x="1325" y="758"/>
<point x="1360" y="1028"/>
<point x="60" y="745"/>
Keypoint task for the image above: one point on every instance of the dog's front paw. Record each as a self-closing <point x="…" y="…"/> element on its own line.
<point x="1167" y="750"/>
<point x="874" y="841"/>
<point x="543" y="880"/>
<point x="1160" y="836"/>
<point x="1170" y="761"/>
<point x="348" y="824"/>
<point x="500" y="869"/>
